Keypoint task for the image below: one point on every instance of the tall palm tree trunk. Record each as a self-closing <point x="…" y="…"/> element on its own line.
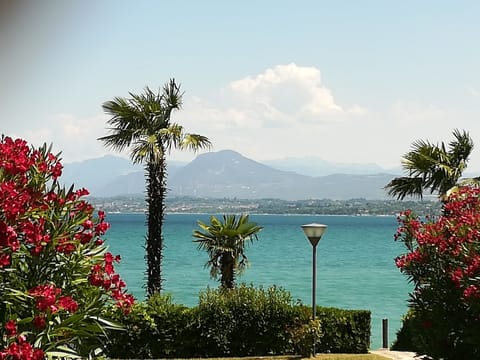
<point x="156" y="192"/>
<point x="227" y="269"/>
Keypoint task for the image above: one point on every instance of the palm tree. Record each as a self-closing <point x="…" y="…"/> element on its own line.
<point x="142" y="124"/>
<point x="433" y="167"/>
<point x="225" y="243"/>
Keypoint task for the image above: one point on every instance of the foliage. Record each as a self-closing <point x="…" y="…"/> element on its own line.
<point x="303" y="335"/>
<point x="142" y="124"/>
<point x="244" y="321"/>
<point x="225" y="243"/>
<point x="156" y="328"/>
<point x="55" y="272"/>
<point x="443" y="263"/>
<point x="432" y="167"/>
<point x="343" y="331"/>
<point x="407" y="338"/>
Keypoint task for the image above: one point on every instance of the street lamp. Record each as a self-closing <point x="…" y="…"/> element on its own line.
<point x="314" y="233"/>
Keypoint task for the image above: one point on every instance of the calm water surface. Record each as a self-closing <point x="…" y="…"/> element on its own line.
<point x="355" y="267"/>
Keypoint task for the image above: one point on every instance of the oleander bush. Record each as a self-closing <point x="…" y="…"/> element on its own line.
<point x="56" y="275"/>
<point x="245" y="321"/>
<point x="408" y="337"/>
<point x="443" y="263"/>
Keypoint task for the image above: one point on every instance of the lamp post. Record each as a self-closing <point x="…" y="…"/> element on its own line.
<point x="314" y="233"/>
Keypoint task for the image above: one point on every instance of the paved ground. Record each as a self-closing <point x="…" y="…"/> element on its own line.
<point x="397" y="355"/>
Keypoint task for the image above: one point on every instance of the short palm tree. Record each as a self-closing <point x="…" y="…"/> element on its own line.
<point x="225" y="243"/>
<point x="142" y="124"/>
<point x="433" y="167"/>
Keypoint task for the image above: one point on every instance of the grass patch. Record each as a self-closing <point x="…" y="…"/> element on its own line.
<point x="349" y="357"/>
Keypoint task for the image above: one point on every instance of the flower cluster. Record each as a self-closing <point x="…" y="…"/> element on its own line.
<point x="53" y="261"/>
<point x="19" y="348"/>
<point x="443" y="263"/>
<point x="453" y="240"/>
<point x="103" y="275"/>
<point x="48" y="298"/>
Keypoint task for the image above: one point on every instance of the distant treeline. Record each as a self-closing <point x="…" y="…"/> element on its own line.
<point x="136" y="203"/>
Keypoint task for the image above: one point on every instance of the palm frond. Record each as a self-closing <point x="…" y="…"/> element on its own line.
<point x="147" y="150"/>
<point x="432" y="167"/>
<point x="225" y="240"/>
<point x="475" y="182"/>
<point x="462" y="146"/>
<point x="172" y="95"/>
<point x="195" y="142"/>
<point x="402" y="187"/>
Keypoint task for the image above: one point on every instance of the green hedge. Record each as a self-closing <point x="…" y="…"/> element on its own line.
<point x="344" y="331"/>
<point x="246" y="321"/>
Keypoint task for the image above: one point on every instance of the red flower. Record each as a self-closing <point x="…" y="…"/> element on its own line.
<point x="88" y="224"/>
<point x="38" y="354"/>
<point x="39" y="322"/>
<point x="5" y="260"/>
<point x="471" y="291"/>
<point x="101" y="228"/>
<point x="46" y="296"/>
<point x="67" y="303"/>
<point x="11" y="327"/>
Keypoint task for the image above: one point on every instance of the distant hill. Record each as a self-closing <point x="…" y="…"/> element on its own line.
<point x="314" y="166"/>
<point x="95" y="174"/>
<point x="109" y="175"/>
<point x="224" y="174"/>
<point x="229" y="174"/>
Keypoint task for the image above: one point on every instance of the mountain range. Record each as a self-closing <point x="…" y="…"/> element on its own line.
<point x="228" y="174"/>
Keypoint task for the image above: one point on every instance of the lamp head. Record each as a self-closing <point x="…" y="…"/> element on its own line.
<point x="314" y="232"/>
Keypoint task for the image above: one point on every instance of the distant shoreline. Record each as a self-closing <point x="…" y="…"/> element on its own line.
<point x="324" y="207"/>
<point x="252" y="213"/>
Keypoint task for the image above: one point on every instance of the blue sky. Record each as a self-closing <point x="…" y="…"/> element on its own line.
<point x="345" y="81"/>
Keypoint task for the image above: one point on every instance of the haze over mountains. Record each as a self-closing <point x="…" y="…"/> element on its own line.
<point x="228" y="174"/>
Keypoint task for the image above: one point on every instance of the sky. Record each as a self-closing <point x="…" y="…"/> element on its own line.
<point x="344" y="81"/>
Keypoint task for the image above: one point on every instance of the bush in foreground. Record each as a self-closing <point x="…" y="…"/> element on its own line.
<point x="245" y="321"/>
<point x="443" y="263"/>
<point x="55" y="272"/>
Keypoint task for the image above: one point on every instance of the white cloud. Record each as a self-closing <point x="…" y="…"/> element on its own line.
<point x="282" y="96"/>
<point x="285" y="110"/>
<point x="413" y="113"/>
<point x="474" y="92"/>
<point x="289" y="89"/>
<point x="74" y="137"/>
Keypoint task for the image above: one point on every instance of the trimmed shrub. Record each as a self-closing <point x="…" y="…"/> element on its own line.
<point x="175" y="328"/>
<point x="302" y="336"/>
<point x="155" y="328"/>
<point x="135" y="341"/>
<point x="343" y="331"/>
<point x="246" y="321"/>
<point x="236" y="322"/>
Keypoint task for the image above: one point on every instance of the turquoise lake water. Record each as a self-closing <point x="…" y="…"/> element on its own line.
<point x="355" y="267"/>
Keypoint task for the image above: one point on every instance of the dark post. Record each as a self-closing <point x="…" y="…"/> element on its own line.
<point x="314" y="288"/>
<point x="314" y="233"/>
<point x="314" y="281"/>
<point x="385" y="333"/>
